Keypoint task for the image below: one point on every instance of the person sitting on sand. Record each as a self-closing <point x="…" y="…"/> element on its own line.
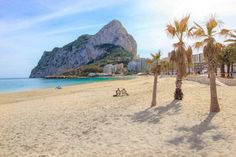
<point x="124" y="92"/>
<point x="58" y="87"/>
<point x="118" y="92"/>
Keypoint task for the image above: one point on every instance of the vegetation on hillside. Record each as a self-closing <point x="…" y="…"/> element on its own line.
<point x="113" y="55"/>
<point x="77" y="43"/>
<point x="83" y="71"/>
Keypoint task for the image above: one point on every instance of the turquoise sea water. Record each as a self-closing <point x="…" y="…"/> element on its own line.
<point x="24" y="84"/>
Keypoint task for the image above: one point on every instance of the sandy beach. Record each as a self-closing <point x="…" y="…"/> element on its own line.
<point x="86" y="121"/>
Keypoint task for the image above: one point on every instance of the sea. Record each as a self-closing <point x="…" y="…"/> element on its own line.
<point x="8" y="85"/>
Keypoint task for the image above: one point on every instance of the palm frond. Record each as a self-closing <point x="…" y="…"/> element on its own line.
<point x="199" y="32"/>
<point x="198" y="44"/>
<point x="183" y="23"/>
<point x="212" y="23"/>
<point x="199" y="26"/>
<point x="191" y="31"/>
<point x="171" y="30"/>
<point x="155" y="62"/>
<point x="224" y="32"/>
<point x="176" y="25"/>
<point x="156" y="56"/>
<point x="232" y="35"/>
<point x="149" y="61"/>
<point x="230" y="40"/>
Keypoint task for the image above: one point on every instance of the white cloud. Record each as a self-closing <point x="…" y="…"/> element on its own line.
<point x="198" y="9"/>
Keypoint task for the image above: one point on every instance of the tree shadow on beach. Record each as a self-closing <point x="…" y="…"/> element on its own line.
<point x="194" y="135"/>
<point x="155" y="114"/>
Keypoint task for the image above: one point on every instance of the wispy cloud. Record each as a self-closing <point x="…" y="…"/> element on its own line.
<point x="70" y="29"/>
<point x="63" y="11"/>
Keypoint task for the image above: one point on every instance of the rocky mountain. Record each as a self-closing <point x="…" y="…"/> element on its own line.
<point x="84" y="50"/>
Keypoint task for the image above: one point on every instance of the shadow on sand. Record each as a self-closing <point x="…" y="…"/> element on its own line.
<point x="194" y="135"/>
<point x="154" y="114"/>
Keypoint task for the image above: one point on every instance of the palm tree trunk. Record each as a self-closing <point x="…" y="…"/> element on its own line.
<point x="154" y="92"/>
<point x="216" y="71"/>
<point x="172" y="70"/>
<point x="228" y="70"/>
<point x="178" y="91"/>
<point x="222" y="70"/>
<point x="208" y="72"/>
<point x="214" y="100"/>
<point x="232" y="70"/>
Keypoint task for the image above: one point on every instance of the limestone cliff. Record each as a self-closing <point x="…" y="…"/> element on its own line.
<point x="84" y="50"/>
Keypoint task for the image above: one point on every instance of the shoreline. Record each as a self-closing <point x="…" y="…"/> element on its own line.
<point x="114" y="78"/>
<point x="18" y="96"/>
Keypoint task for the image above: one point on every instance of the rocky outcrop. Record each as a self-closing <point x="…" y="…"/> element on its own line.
<point x="84" y="50"/>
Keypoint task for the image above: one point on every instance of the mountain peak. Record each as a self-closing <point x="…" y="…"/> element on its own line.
<point x="115" y="22"/>
<point x="113" y="26"/>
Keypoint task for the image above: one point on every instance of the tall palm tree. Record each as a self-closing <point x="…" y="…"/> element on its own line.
<point x="155" y="69"/>
<point x="211" y="49"/>
<point x="180" y="30"/>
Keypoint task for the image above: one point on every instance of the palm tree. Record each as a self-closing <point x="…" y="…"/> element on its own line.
<point x="155" y="69"/>
<point x="181" y="31"/>
<point x="230" y="55"/>
<point x="169" y="67"/>
<point x="222" y="59"/>
<point x="233" y="46"/>
<point x="211" y="49"/>
<point x="233" y="37"/>
<point x="164" y="67"/>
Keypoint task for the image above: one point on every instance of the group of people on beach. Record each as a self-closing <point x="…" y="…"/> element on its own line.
<point x="122" y="92"/>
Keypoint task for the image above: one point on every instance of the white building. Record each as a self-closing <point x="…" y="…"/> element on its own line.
<point x="138" y="65"/>
<point x="132" y="66"/>
<point x="198" y="58"/>
<point x="109" y="69"/>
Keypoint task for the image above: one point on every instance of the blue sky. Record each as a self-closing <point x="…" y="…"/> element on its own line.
<point x="27" y="28"/>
